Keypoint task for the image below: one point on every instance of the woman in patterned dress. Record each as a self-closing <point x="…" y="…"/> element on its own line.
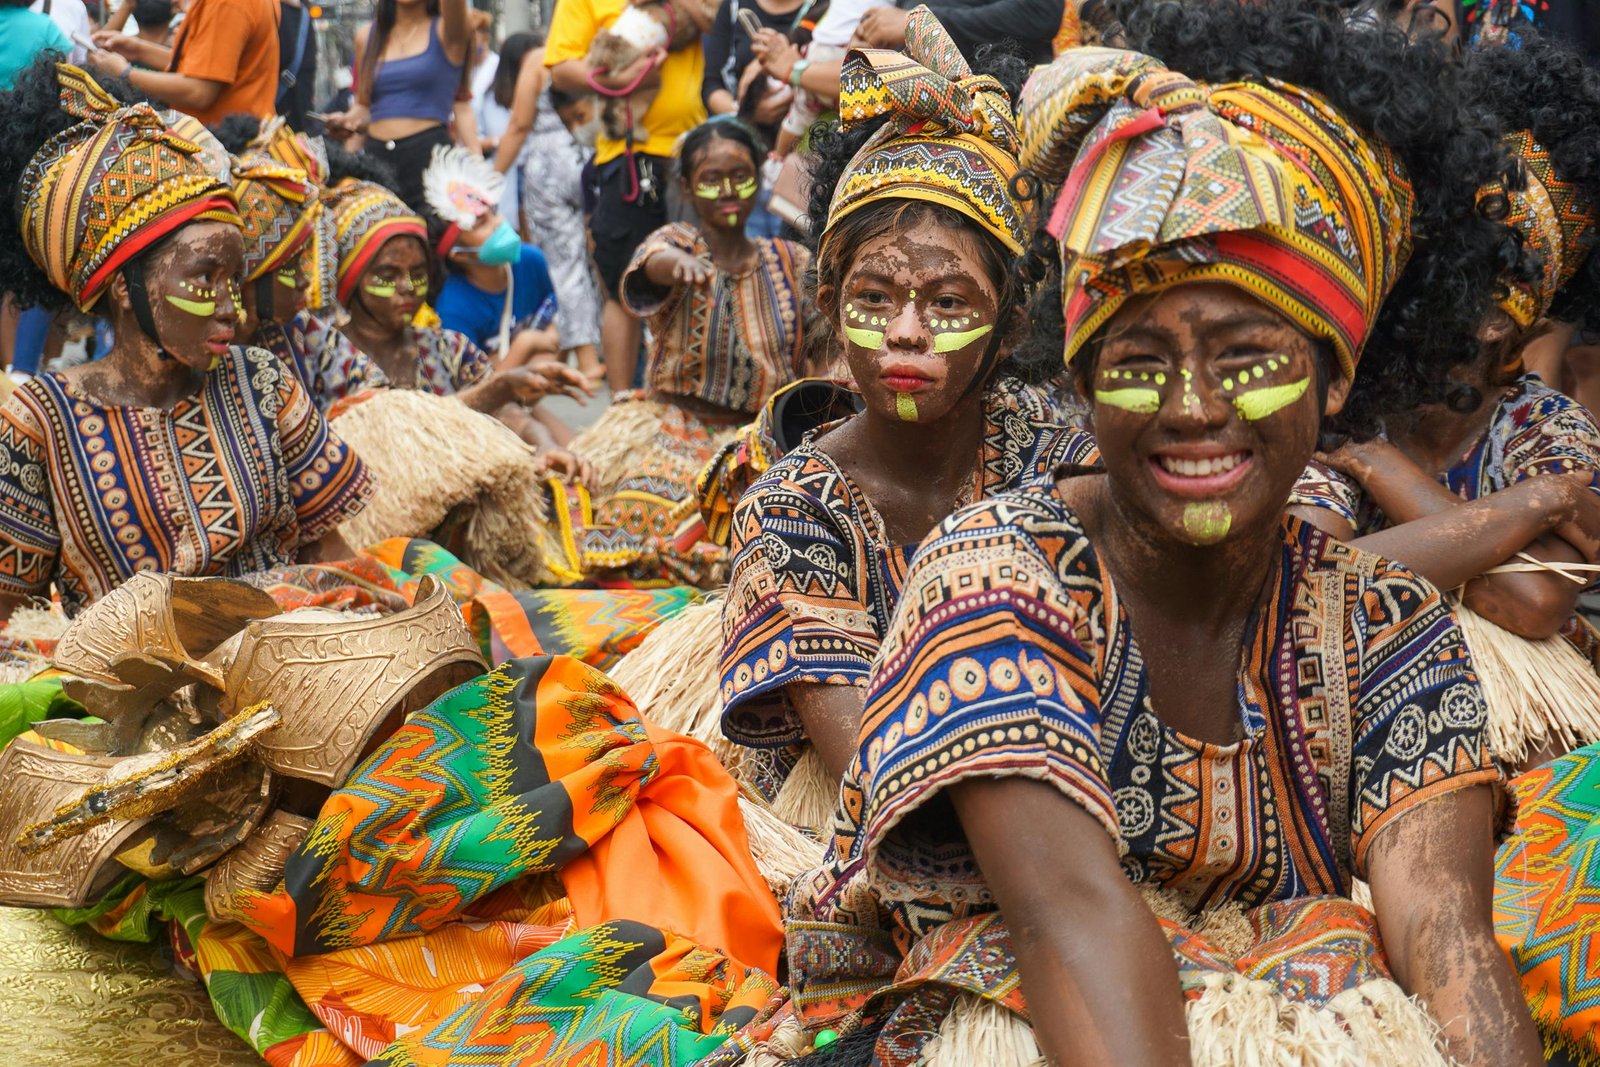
<point x="822" y="541"/>
<point x="1150" y="674"/>
<point x="180" y="451"/>
<point x="383" y="278"/>
<point x="1458" y="488"/>
<point x="726" y="316"/>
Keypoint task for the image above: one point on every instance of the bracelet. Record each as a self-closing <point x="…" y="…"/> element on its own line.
<point x="796" y="71"/>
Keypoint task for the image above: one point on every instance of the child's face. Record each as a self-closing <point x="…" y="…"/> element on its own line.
<point x="577" y="114"/>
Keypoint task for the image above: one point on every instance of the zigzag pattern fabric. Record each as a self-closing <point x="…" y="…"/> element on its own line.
<point x="278" y="212"/>
<point x="1547" y="900"/>
<point x="365" y="216"/>
<point x="1556" y="220"/>
<point x="951" y="138"/>
<point x="1165" y="182"/>
<point x="100" y="192"/>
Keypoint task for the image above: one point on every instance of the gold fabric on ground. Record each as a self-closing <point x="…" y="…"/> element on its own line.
<point x="74" y="999"/>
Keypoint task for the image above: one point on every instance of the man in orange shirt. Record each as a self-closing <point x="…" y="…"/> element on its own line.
<point x="224" y="62"/>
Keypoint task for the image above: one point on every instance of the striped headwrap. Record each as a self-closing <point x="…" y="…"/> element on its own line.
<point x="365" y="216"/>
<point x="278" y="140"/>
<point x="951" y="138"/>
<point x="1261" y="185"/>
<point x="99" y="193"/>
<point x="278" y="211"/>
<point x="1557" y="221"/>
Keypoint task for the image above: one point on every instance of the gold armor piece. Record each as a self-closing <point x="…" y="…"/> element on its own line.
<point x="343" y="687"/>
<point x="70" y="874"/>
<point x="154" y="631"/>
<point x="255" y="866"/>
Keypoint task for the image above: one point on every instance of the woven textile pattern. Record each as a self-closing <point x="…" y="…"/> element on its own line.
<point x="364" y="217"/>
<point x="278" y="211"/>
<point x="951" y="138"/>
<point x="1556" y="220"/>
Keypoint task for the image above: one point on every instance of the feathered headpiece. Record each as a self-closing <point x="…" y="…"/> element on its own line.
<point x="461" y="187"/>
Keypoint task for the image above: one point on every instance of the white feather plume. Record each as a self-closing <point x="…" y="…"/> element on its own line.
<point x="460" y="185"/>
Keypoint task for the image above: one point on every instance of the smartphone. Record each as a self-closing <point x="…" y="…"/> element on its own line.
<point x="751" y="24"/>
<point x="83" y="42"/>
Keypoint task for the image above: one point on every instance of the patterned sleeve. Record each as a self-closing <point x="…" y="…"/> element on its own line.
<point x="1547" y="432"/>
<point x="639" y="294"/>
<point x="1323" y="487"/>
<point x="30" y="541"/>
<point x="472" y="364"/>
<point x="1420" y="713"/>
<point x="990" y="668"/>
<point x="327" y="481"/>
<point x="795" y="612"/>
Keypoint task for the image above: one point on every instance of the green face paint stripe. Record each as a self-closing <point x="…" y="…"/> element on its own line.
<point x="872" y="339"/>
<point x="708" y="190"/>
<point x="1207" y="521"/>
<point x="1138" y="401"/>
<point x="201" y="308"/>
<point x="905" y="406"/>
<point x="951" y="342"/>
<point x="288" y="279"/>
<point x="379" y="287"/>
<point x="1259" y="403"/>
<point x="746" y="189"/>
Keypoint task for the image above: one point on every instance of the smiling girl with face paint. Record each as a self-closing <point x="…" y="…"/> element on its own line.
<point x="90" y="454"/>
<point x="1148" y="674"/>
<point x="922" y="302"/>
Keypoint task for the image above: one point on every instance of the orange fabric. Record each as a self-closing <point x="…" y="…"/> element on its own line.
<point x="679" y="831"/>
<point x="234" y="42"/>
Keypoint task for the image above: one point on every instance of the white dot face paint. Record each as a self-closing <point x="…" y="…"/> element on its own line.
<point x="864" y="330"/>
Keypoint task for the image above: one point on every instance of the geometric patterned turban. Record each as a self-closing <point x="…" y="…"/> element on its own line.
<point x="951" y="138"/>
<point x="1556" y="220"/>
<point x="99" y="193"/>
<point x="1263" y="186"/>
<point x="365" y="216"/>
<point x="278" y="211"/>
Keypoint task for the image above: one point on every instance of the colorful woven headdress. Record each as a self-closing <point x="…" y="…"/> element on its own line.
<point x="1261" y="185"/>
<point x="99" y="193"/>
<point x="278" y="211"/>
<point x="301" y="151"/>
<point x="1556" y="220"/>
<point x="951" y="138"/>
<point x="365" y="216"/>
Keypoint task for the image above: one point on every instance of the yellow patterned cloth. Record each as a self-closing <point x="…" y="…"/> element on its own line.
<point x="951" y="138"/>
<point x="99" y="193"/>
<point x="365" y="216"/>
<point x="1556" y="220"/>
<point x="278" y="211"/>
<point x="1264" y="186"/>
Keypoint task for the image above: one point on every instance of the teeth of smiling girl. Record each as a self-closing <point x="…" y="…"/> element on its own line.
<point x="1201" y="468"/>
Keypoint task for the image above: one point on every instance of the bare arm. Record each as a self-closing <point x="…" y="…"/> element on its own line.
<point x="330" y="546"/>
<point x="1432" y="873"/>
<point x="119" y="18"/>
<point x="467" y="127"/>
<point x="831" y="715"/>
<point x="1452" y="542"/>
<point x="572" y="75"/>
<point x="455" y="30"/>
<point x="1065" y="899"/>
<point x="524" y="110"/>
<point x="179" y="90"/>
<point x="8" y="604"/>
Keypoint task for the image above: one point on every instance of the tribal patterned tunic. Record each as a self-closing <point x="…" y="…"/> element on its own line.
<point x="231" y="481"/>
<point x="731" y="343"/>
<point x="447" y="363"/>
<point x="1011" y="654"/>
<point x="815" y="577"/>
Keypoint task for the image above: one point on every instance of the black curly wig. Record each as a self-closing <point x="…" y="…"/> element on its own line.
<point x="1407" y="95"/>
<point x="1545" y="86"/>
<point x="236" y="132"/>
<point x="30" y="114"/>
<point x="831" y="149"/>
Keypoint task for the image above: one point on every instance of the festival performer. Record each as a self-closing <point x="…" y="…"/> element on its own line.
<point x="383" y="276"/>
<point x="279" y="212"/>
<point x="91" y="496"/>
<point x="915" y="283"/>
<point x="1456" y="489"/>
<point x="726" y="321"/>
<point x="1063" y="656"/>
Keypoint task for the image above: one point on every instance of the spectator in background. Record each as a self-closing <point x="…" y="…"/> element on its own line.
<point x="631" y="201"/>
<point x="1576" y="22"/>
<point x="971" y="24"/>
<point x="153" y="19"/>
<point x="495" y="112"/>
<point x="539" y="139"/>
<point x="224" y="61"/>
<point x="413" y="59"/>
<point x="297" y="62"/>
<point x="72" y="18"/>
<point x="23" y="35"/>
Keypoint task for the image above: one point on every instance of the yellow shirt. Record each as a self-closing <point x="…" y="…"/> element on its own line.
<point x="677" y="108"/>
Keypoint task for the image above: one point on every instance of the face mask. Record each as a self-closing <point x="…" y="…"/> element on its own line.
<point x="585" y="135"/>
<point x="502" y="247"/>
